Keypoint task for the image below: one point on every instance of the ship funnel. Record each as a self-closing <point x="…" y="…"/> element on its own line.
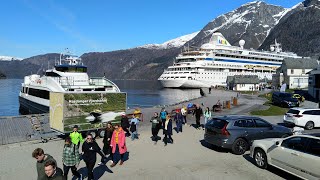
<point x="216" y="39"/>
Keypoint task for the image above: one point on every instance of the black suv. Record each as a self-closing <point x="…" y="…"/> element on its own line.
<point x="284" y="99"/>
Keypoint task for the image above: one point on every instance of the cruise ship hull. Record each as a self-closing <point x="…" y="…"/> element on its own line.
<point x="183" y="84"/>
<point x="30" y="107"/>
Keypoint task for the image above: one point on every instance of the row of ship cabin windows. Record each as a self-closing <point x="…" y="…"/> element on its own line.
<point x="245" y="57"/>
<point x="270" y="55"/>
<point x="221" y="70"/>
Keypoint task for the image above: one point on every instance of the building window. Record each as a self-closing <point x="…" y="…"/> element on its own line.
<point x="292" y="71"/>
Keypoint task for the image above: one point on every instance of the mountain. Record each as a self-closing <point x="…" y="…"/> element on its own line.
<point x="174" y="43"/>
<point x="250" y="22"/>
<point x="298" y="31"/>
<point x="2" y="76"/>
<point x="9" y="58"/>
<point x="136" y="63"/>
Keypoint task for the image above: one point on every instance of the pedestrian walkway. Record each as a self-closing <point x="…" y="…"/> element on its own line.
<point x="188" y="158"/>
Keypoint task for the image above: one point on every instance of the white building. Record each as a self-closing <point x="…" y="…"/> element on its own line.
<point x="293" y="72"/>
<point x="314" y="83"/>
<point x="243" y="82"/>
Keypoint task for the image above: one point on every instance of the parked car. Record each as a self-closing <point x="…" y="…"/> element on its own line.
<point x="299" y="97"/>
<point x="298" y="155"/>
<point x="307" y="118"/>
<point x="238" y="132"/>
<point x="284" y="99"/>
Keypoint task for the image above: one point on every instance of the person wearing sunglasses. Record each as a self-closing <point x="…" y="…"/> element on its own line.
<point x="90" y="149"/>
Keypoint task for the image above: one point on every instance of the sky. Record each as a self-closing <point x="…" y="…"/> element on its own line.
<point x="33" y="27"/>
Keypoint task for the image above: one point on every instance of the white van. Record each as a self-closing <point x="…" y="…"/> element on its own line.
<point x="307" y="118"/>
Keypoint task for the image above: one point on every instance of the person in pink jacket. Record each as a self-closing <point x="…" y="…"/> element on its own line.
<point x="118" y="143"/>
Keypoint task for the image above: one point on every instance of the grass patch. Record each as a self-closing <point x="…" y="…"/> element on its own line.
<point x="272" y="111"/>
<point x="248" y="92"/>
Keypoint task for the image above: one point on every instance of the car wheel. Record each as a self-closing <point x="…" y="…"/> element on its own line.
<point x="309" y="125"/>
<point x="101" y="133"/>
<point x="240" y="146"/>
<point x="260" y="158"/>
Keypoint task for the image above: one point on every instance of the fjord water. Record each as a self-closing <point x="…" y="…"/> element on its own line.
<point x="139" y="94"/>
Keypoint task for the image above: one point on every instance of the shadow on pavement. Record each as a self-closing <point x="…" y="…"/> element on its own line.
<point x="212" y="147"/>
<point x="273" y="170"/>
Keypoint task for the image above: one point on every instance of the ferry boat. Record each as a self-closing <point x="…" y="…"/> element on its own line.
<point x="69" y="74"/>
<point x="210" y="64"/>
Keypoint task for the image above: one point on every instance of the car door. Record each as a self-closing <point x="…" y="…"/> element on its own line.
<point x="288" y="155"/>
<point x="264" y="129"/>
<point x="251" y="133"/>
<point x="316" y="118"/>
<point x="311" y="160"/>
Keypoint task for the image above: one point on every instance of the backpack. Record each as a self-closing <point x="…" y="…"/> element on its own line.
<point x="163" y="114"/>
<point x="133" y="127"/>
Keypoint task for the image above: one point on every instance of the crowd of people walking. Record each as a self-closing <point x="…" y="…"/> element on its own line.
<point x="114" y="142"/>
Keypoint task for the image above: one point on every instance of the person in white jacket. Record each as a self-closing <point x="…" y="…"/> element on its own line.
<point x="207" y="115"/>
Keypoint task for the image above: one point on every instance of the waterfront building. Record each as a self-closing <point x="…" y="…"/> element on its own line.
<point x="293" y="72"/>
<point x="243" y="83"/>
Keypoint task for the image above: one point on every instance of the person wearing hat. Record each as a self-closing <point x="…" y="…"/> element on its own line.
<point x="76" y="137"/>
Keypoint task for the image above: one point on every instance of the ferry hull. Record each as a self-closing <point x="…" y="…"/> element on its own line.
<point x="30" y="107"/>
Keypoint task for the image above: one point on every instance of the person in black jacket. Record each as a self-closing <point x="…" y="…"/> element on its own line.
<point x="106" y="143"/>
<point x="90" y="149"/>
<point x="198" y="113"/>
<point x="167" y="130"/>
<point x="125" y="124"/>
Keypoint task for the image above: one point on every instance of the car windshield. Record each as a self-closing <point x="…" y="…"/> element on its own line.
<point x="293" y="111"/>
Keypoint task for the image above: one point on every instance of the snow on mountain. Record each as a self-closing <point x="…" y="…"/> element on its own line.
<point x="9" y="58"/>
<point x="254" y="18"/>
<point x="177" y="42"/>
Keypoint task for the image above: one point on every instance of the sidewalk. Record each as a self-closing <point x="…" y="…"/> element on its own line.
<point x="188" y="158"/>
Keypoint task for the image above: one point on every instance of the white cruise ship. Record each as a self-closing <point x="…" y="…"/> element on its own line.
<point x="210" y="64"/>
<point x="68" y="74"/>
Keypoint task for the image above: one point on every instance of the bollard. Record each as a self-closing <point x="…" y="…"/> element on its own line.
<point x="228" y="105"/>
<point x="235" y="101"/>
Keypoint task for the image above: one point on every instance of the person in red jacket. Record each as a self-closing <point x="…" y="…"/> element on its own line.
<point x="118" y="143"/>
